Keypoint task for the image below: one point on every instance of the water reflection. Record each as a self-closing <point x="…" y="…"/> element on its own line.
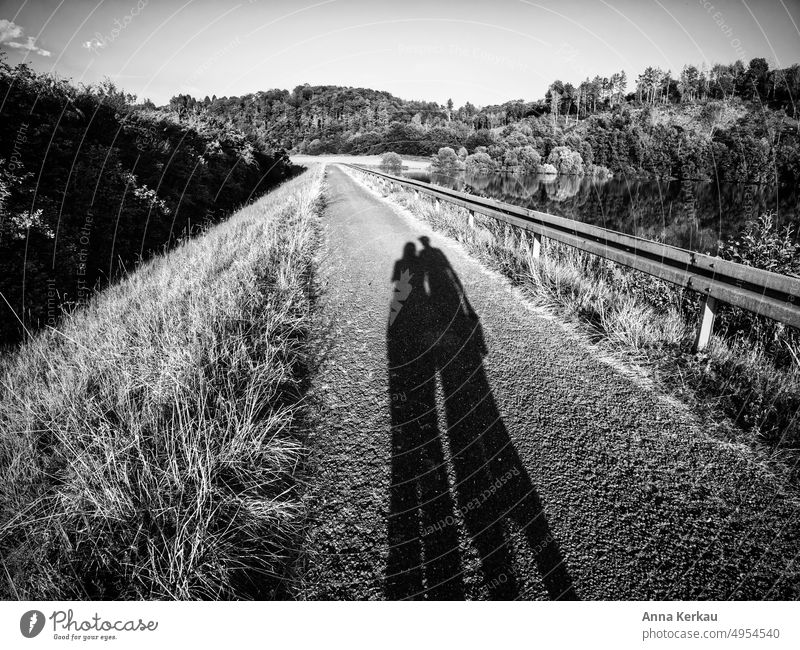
<point x="688" y="214"/>
<point x="563" y="188"/>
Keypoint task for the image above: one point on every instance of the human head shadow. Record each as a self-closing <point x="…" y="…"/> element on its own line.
<point x="433" y="331"/>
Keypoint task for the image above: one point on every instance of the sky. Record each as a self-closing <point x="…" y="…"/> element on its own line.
<point x="483" y="52"/>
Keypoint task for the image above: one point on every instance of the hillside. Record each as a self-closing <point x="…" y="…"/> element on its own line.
<point x="732" y="122"/>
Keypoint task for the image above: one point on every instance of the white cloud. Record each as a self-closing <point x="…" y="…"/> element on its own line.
<point x="13" y="36"/>
<point x="9" y="30"/>
<point x="29" y="44"/>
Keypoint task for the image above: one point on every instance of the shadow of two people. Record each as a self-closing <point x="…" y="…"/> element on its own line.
<point x="433" y="330"/>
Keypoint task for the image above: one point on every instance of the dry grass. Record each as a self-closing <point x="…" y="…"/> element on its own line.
<point x="149" y="447"/>
<point x="642" y="318"/>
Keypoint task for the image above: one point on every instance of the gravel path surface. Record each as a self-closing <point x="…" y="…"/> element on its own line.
<point x="476" y="448"/>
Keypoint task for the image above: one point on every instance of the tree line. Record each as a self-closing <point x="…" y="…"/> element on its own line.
<point x="733" y="122"/>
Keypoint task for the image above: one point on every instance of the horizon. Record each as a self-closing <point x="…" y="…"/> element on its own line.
<point x="414" y="51"/>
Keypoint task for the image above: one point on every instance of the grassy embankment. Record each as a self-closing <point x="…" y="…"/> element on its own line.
<point x="149" y="447"/>
<point x="647" y="320"/>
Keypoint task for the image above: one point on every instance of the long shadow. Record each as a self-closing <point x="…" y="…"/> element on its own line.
<point x="434" y="331"/>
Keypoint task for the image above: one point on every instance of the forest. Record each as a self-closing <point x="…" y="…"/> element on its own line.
<point x="91" y="183"/>
<point x="734" y="122"/>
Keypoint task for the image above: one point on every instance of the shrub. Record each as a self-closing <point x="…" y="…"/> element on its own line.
<point x="497" y="152"/>
<point x="511" y="160"/>
<point x="522" y="159"/>
<point x="315" y="147"/>
<point x="446" y="161"/>
<point x="515" y="140"/>
<point x="566" y="161"/>
<point x="763" y="245"/>
<point x="481" y="138"/>
<point x="529" y="159"/>
<point x="599" y="171"/>
<point x="391" y="160"/>
<point x="546" y="169"/>
<point x="480" y="163"/>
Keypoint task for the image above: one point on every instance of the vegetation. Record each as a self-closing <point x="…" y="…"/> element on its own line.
<point x="523" y="159"/>
<point x="480" y="163"/>
<point x="566" y="161"/>
<point x="599" y="171"/>
<point x="391" y="161"/>
<point x="446" y="161"/>
<point x="733" y="122"/>
<point x="149" y="446"/>
<point x="91" y="183"/>
<point x="764" y="246"/>
<point x="749" y="371"/>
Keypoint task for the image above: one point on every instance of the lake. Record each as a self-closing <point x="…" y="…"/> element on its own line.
<point x="694" y="215"/>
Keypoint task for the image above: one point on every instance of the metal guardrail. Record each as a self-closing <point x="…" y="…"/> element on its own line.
<point x="756" y="290"/>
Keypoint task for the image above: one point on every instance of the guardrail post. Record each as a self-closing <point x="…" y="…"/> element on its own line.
<point x="471" y="218"/>
<point x="706" y="323"/>
<point x="537" y="245"/>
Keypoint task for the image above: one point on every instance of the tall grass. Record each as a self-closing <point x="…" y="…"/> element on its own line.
<point x="647" y="320"/>
<point x="149" y="446"/>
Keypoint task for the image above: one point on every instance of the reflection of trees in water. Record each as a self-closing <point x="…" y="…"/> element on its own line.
<point x="486" y="183"/>
<point x="693" y="215"/>
<point x="564" y="188"/>
<point x="513" y="185"/>
<point x="453" y="182"/>
<point x="683" y="233"/>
